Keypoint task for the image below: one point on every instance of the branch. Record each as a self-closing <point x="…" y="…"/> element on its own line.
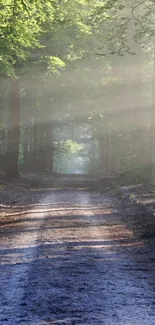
<point x="135" y="7"/>
<point x="24" y="5"/>
<point x="3" y="91"/>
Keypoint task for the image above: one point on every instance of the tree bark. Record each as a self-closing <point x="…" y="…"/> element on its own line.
<point x="104" y="154"/>
<point x="45" y="148"/>
<point x="152" y="129"/>
<point x="13" y="130"/>
<point x="25" y="148"/>
<point x="41" y="147"/>
<point x="49" y="150"/>
<point x="36" y="143"/>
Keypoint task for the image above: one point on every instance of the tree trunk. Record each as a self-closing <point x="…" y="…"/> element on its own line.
<point x="13" y="131"/>
<point x="104" y="154"/>
<point x="35" y="143"/>
<point x="45" y="148"/>
<point x="25" y="148"/>
<point x="41" y="147"/>
<point x="136" y="96"/>
<point x="31" y="144"/>
<point x="152" y="129"/>
<point x="49" y="150"/>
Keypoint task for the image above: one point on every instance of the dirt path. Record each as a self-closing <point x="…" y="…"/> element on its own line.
<point x="71" y="260"/>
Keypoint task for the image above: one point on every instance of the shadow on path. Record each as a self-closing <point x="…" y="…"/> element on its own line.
<point x="84" y="268"/>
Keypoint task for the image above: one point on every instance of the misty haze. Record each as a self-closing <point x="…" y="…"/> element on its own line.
<point x="77" y="162"/>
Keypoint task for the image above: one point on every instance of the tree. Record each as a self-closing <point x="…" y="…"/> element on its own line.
<point x="27" y="31"/>
<point x="132" y="28"/>
<point x="21" y="27"/>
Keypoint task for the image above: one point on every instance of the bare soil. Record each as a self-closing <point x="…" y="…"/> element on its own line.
<point x="71" y="256"/>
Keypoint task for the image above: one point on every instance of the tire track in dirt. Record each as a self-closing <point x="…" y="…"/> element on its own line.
<point x="19" y="248"/>
<point x="78" y="264"/>
<point x="128" y="298"/>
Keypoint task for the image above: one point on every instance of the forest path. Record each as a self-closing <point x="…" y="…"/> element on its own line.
<point x="70" y="260"/>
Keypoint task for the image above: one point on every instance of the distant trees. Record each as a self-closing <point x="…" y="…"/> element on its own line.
<point x="40" y="36"/>
<point x="76" y="59"/>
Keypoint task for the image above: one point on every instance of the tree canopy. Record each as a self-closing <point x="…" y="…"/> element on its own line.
<point x="36" y="30"/>
<point x="102" y="52"/>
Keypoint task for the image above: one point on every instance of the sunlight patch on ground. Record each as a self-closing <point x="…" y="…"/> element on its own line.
<point x="82" y="247"/>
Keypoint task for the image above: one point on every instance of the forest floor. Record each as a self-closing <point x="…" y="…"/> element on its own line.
<point x="73" y="256"/>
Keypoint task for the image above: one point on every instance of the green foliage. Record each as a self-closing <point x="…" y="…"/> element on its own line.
<point x="72" y="147"/>
<point x="67" y="156"/>
<point x="45" y="30"/>
<point x="20" y="28"/>
<point x="129" y="23"/>
<point x="52" y="27"/>
<point x="39" y="34"/>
